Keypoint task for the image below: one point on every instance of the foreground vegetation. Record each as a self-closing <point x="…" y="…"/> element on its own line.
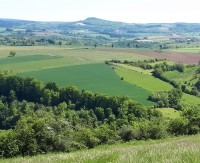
<point x="182" y="149"/>
<point x="37" y="118"/>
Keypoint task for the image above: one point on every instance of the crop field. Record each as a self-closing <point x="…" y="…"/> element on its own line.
<point x="143" y="80"/>
<point x="180" y="149"/>
<point x="61" y="57"/>
<point x="81" y="67"/>
<point x="74" y="66"/>
<point x="23" y="59"/>
<point x="166" y="54"/>
<point x="188" y="50"/>
<point x="93" y="77"/>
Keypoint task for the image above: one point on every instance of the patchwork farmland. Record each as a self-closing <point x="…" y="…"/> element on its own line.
<point x="85" y="68"/>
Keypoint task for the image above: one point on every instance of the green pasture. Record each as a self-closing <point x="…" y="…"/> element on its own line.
<point x="23" y="59"/>
<point x="169" y="113"/>
<point x="190" y="100"/>
<point x="181" y="76"/>
<point x="188" y="50"/>
<point x="153" y="84"/>
<point x="93" y="77"/>
<point x="185" y="149"/>
<point x="142" y="80"/>
<point x="187" y="77"/>
<point x="138" y="69"/>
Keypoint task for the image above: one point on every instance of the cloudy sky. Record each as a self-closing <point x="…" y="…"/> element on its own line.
<point x="132" y="11"/>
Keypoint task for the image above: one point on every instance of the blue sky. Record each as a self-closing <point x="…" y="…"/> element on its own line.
<point x="132" y="11"/>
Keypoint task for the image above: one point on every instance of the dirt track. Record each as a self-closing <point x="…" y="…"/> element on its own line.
<point x="168" y="54"/>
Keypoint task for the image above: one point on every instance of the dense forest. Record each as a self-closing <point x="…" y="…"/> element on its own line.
<point x="38" y="118"/>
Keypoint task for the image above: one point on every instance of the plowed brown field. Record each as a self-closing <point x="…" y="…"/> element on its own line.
<point x="167" y="54"/>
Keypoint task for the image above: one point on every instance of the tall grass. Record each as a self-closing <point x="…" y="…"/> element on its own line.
<point x="180" y="150"/>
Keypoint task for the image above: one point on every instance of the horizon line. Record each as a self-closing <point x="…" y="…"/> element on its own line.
<point x="62" y="21"/>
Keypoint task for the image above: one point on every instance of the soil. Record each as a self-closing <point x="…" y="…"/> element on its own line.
<point x="181" y="57"/>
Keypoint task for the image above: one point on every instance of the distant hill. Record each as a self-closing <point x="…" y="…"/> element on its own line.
<point x="100" y="26"/>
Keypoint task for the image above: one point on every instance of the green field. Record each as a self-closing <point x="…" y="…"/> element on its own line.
<point x="24" y="59"/>
<point x="40" y="62"/>
<point x="152" y="84"/>
<point x="70" y="57"/>
<point x="190" y="100"/>
<point x="94" y="77"/>
<point x="142" y="80"/>
<point x="188" y="50"/>
<point x="170" y="113"/>
<point x="172" y="150"/>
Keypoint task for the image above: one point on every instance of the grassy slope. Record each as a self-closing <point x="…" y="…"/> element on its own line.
<point x="170" y="113"/>
<point x="93" y="77"/>
<point x="190" y="100"/>
<point x="142" y="80"/>
<point x="153" y="84"/>
<point x="181" y="149"/>
<point x="181" y="76"/>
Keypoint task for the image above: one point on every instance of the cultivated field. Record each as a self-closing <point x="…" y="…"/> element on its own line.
<point x="143" y="80"/>
<point x="181" y="149"/>
<point x="188" y="50"/>
<point x="166" y="54"/>
<point x="81" y="67"/>
<point x="93" y="77"/>
<point x="65" y="66"/>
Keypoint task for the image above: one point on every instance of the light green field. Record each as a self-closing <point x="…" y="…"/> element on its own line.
<point x="24" y="59"/>
<point x="181" y="76"/>
<point x="153" y="84"/>
<point x="190" y="100"/>
<point x="34" y="59"/>
<point x="94" y="77"/>
<point x="172" y="150"/>
<point x="129" y="67"/>
<point x="71" y="56"/>
<point x="170" y="113"/>
<point x="142" y="80"/>
<point x="188" y="50"/>
<point x="187" y="77"/>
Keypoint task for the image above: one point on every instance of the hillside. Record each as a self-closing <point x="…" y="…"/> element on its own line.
<point x="100" y="26"/>
<point x="183" y="149"/>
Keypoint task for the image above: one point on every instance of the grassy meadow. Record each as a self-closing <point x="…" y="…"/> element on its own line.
<point x="169" y="113"/>
<point x="180" y="149"/>
<point x="188" y="50"/>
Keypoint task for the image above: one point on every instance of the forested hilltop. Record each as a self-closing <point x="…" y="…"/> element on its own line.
<point x="38" y="118"/>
